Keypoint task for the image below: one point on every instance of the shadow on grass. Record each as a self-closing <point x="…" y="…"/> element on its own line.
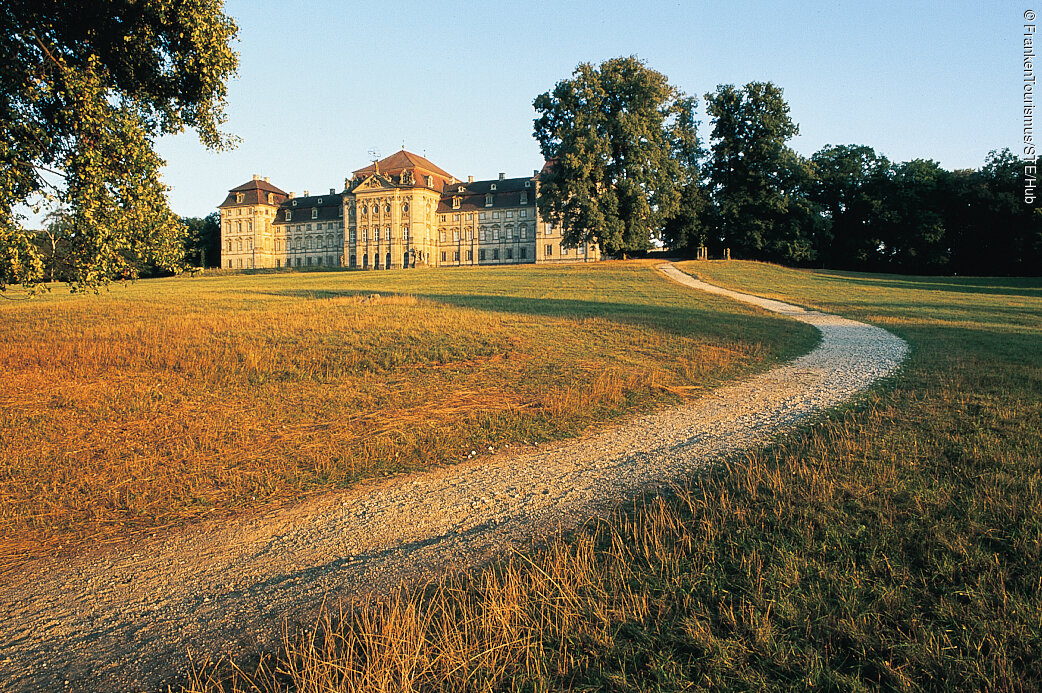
<point x="682" y="320"/>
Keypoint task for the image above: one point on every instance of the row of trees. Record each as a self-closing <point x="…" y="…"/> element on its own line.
<point x="56" y="245"/>
<point x="628" y="166"/>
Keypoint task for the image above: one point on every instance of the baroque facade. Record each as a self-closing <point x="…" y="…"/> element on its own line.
<point x="401" y="211"/>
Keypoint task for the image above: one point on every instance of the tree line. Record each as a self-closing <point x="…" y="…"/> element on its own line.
<point x="628" y="167"/>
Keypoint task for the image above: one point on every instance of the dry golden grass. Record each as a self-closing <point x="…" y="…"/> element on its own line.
<point x="168" y="400"/>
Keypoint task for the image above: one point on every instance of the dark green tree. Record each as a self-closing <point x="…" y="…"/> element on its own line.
<point x="757" y="183"/>
<point x="849" y="184"/>
<point x="621" y="143"/>
<point x="994" y="230"/>
<point x="916" y="222"/>
<point x="203" y="240"/>
<point x="85" y="88"/>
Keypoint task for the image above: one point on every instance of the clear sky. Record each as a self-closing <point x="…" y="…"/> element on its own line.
<point x="322" y="83"/>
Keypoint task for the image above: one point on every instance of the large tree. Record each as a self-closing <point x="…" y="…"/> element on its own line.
<point x="850" y="185"/>
<point x="621" y="143"/>
<point x="758" y="184"/>
<point x="85" y="88"/>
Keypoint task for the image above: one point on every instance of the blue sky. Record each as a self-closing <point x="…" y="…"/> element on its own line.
<point x="322" y="83"/>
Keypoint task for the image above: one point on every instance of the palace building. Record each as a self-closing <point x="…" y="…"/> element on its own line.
<point x="401" y="211"/>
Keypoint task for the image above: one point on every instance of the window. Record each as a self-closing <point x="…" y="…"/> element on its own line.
<point x="354" y="261"/>
<point x="240" y="263"/>
<point x="495" y="233"/>
<point x="482" y="234"/>
<point x="495" y="215"/>
<point x="510" y="253"/>
<point x="455" y="256"/>
<point x="564" y="250"/>
<point x="314" y="212"/>
<point x="523" y="213"/>
<point x="365" y="235"/>
<point x="309" y="261"/>
<point x="320" y="200"/>
<point x="442" y="236"/>
<point x="455" y="236"/>
<point x="271" y="199"/>
<point x="524" y="231"/>
<point x="455" y="203"/>
<point x="443" y="257"/>
<point x="405" y="208"/>
<point x="488" y="198"/>
<point x="470" y="234"/>
<point x="492" y="187"/>
<point x="455" y="217"/>
<point x="365" y="210"/>
<point x="460" y="189"/>
<point x="405" y="234"/>
<point x="340" y="213"/>
<point x="239" y="197"/>
<point x="318" y="260"/>
<point x="470" y="255"/>
<point x="318" y="227"/>
<point x="229" y="264"/>
<point x="524" y="198"/>
<point x="249" y="244"/>
<point x="294" y="203"/>
<point x="510" y="214"/>
<point x="278" y="263"/>
<point x="510" y="232"/>
<point x="441" y="217"/>
<point x="549" y="250"/>
<point x="238" y="245"/>
<point x="481" y="255"/>
<point x="524" y="253"/>
<point x="549" y="229"/>
<point x="229" y="246"/>
<point x="387" y="208"/>
<point x="495" y="254"/>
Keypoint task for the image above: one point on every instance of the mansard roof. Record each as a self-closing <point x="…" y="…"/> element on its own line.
<point x="507" y="193"/>
<point x="329" y="209"/>
<point x="393" y="166"/>
<point x="255" y="192"/>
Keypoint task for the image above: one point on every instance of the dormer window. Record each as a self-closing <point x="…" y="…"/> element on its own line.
<point x="289" y="215"/>
<point x="294" y="203"/>
<point x="488" y="200"/>
<point x="340" y="212"/>
<point x="460" y="189"/>
<point x="524" y="198"/>
<point x="239" y="197"/>
<point x="314" y="212"/>
<point x="492" y="187"/>
<point x="320" y="200"/>
<point x="455" y="203"/>
<point x="430" y="181"/>
<point x="528" y="184"/>
<point x="271" y="199"/>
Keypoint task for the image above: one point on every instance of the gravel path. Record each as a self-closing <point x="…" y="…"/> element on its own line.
<point x="123" y="618"/>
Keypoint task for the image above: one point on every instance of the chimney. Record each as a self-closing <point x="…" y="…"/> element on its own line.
<point x="502" y="176"/>
<point x="292" y="195"/>
<point x="266" y="179"/>
<point x="535" y="172"/>
<point x="307" y="193"/>
<point x="256" y="176"/>
<point x="332" y="191"/>
<point x="347" y="184"/>
<point x="470" y="179"/>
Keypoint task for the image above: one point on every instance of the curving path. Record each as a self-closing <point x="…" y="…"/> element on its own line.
<point x="123" y="619"/>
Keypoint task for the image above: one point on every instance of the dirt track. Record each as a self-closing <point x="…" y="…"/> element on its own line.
<point x="123" y="619"/>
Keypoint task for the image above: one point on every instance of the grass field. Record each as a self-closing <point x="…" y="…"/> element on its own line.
<point x="894" y="545"/>
<point x="167" y="400"/>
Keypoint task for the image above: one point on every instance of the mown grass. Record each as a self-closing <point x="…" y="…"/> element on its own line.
<point x="893" y="545"/>
<point x="167" y="400"/>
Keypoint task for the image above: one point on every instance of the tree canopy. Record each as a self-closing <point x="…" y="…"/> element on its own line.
<point x="621" y="143"/>
<point x="85" y="88"/>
